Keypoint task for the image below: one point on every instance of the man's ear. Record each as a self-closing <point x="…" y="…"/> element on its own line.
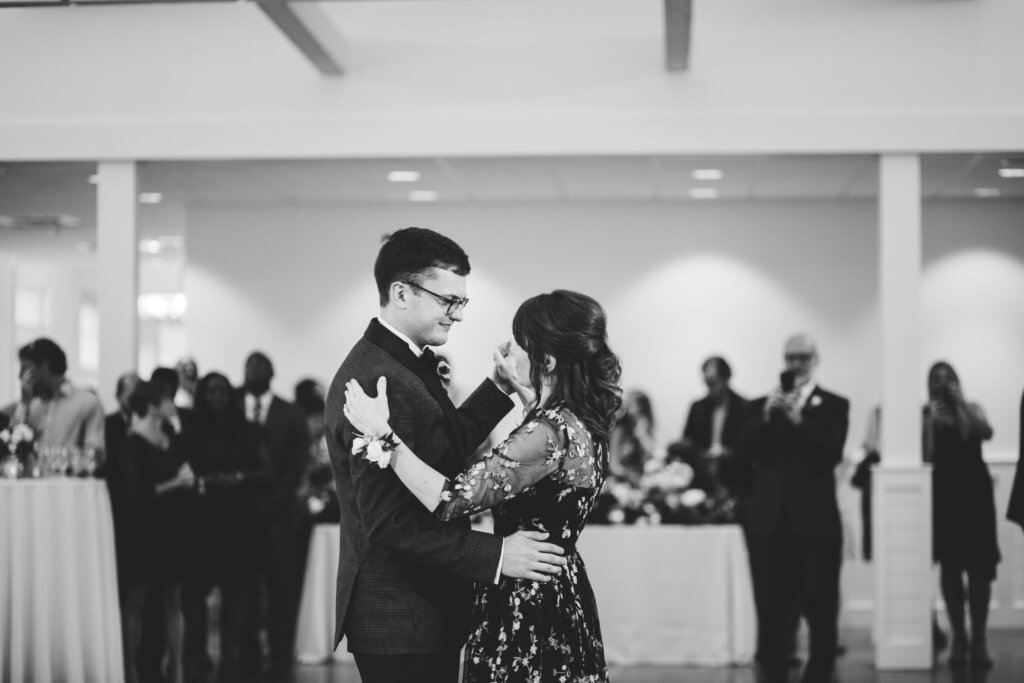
<point x="549" y="363"/>
<point x="398" y="293"/>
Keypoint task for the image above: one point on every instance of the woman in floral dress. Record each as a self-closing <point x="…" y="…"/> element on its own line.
<point x="545" y="477"/>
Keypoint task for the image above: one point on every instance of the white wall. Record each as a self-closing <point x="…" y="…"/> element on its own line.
<point x="679" y="281"/>
<point x="455" y="78"/>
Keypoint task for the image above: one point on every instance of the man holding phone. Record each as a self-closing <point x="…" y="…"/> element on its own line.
<point x="794" y="440"/>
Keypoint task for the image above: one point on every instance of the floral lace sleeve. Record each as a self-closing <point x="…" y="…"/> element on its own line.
<point x="533" y="451"/>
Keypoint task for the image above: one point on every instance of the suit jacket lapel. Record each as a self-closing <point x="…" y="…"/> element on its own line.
<point x="379" y="335"/>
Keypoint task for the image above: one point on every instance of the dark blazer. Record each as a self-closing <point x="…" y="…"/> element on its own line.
<point x="698" y="421"/>
<point x="697" y="435"/>
<point x="404" y="577"/>
<point x="288" y="447"/>
<point x="793" y="467"/>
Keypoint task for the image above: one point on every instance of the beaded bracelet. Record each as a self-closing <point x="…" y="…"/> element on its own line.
<point x="376" y="449"/>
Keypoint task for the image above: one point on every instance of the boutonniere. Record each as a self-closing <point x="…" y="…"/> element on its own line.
<point x="815" y="401"/>
<point x="444" y="372"/>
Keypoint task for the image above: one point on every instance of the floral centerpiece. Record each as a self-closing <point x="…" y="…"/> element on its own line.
<point x="664" y="495"/>
<point x="17" y="450"/>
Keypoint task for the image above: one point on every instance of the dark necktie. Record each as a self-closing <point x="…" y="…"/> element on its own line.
<point x="256" y="412"/>
<point x="429" y="360"/>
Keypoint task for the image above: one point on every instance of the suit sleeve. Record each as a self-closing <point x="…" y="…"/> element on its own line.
<point x="481" y="412"/>
<point x="394" y="519"/>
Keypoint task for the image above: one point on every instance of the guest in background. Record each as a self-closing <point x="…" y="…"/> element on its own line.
<point x="964" y="512"/>
<point x="117" y="423"/>
<point x="317" y="495"/>
<point x="229" y="456"/>
<point x="145" y="478"/>
<point x="61" y="415"/>
<point x="794" y="440"/>
<point x="632" y="442"/>
<point x="1015" y="510"/>
<point x="712" y="430"/>
<point x="188" y="375"/>
<point x="153" y="646"/>
<point x="285" y="432"/>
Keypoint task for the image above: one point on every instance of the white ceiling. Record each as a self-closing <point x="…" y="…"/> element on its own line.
<point x="52" y="189"/>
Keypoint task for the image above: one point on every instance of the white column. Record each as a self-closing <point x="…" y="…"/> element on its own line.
<point x="9" y="387"/>
<point x="118" y="288"/>
<point x="901" y="495"/>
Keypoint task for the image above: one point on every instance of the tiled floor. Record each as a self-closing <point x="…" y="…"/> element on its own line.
<point x="856" y="666"/>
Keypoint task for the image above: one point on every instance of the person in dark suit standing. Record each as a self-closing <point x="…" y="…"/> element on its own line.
<point x="287" y="442"/>
<point x="712" y="430"/>
<point x="404" y="588"/>
<point x="794" y="440"/>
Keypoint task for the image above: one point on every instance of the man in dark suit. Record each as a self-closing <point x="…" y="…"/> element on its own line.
<point x="794" y="440"/>
<point x="404" y="585"/>
<point x="712" y="431"/>
<point x="287" y="440"/>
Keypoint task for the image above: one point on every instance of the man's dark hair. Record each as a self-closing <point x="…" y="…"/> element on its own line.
<point x="144" y="396"/>
<point x="262" y="357"/>
<point x="46" y="351"/>
<point x="167" y="379"/>
<point x="721" y="367"/>
<point x="408" y="253"/>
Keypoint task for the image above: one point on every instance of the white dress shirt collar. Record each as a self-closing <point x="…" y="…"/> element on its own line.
<point x="264" y="401"/>
<point x="416" y="350"/>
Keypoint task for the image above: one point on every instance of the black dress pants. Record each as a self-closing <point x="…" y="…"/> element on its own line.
<point x="412" y="668"/>
<point x="788" y="571"/>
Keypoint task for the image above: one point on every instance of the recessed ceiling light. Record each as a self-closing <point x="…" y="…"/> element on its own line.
<point x="986" y="192"/>
<point x="94" y="178"/>
<point x="1011" y="172"/>
<point x="150" y="197"/>
<point x="150" y="246"/>
<point x="404" y="176"/>
<point x="703" y="193"/>
<point x="707" y="174"/>
<point x="424" y="195"/>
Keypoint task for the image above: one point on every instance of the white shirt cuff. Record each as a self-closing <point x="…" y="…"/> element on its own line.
<point x="501" y="561"/>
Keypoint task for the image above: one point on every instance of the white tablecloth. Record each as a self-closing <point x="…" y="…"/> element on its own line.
<point x="59" y="618"/>
<point x="666" y="595"/>
<point x="672" y="594"/>
<point x="314" y="637"/>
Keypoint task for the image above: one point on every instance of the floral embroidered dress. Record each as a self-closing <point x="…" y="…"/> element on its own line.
<point x="546" y="476"/>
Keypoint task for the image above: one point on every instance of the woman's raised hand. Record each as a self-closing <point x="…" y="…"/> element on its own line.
<point x="368" y="415"/>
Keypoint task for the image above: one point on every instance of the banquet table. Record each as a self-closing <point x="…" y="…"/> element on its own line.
<point x="665" y="595"/>
<point x="59" y="618"/>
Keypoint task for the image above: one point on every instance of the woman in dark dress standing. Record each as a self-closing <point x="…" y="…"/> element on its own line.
<point x="231" y="463"/>
<point x="149" y="534"/>
<point x="544" y="477"/>
<point x="964" y="512"/>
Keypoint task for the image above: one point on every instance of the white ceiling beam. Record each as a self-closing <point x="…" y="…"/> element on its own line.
<point x="311" y="31"/>
<point x="678" y="27"/>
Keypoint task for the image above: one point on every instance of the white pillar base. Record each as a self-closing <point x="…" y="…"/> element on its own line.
<point x="904" y="581"/>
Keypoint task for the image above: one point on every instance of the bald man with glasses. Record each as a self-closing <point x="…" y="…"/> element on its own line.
<point x="794" y="440"/>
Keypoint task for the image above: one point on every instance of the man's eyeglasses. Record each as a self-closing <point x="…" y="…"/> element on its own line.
<point x="798" y="357"/>
<point x="452" y="304"/>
